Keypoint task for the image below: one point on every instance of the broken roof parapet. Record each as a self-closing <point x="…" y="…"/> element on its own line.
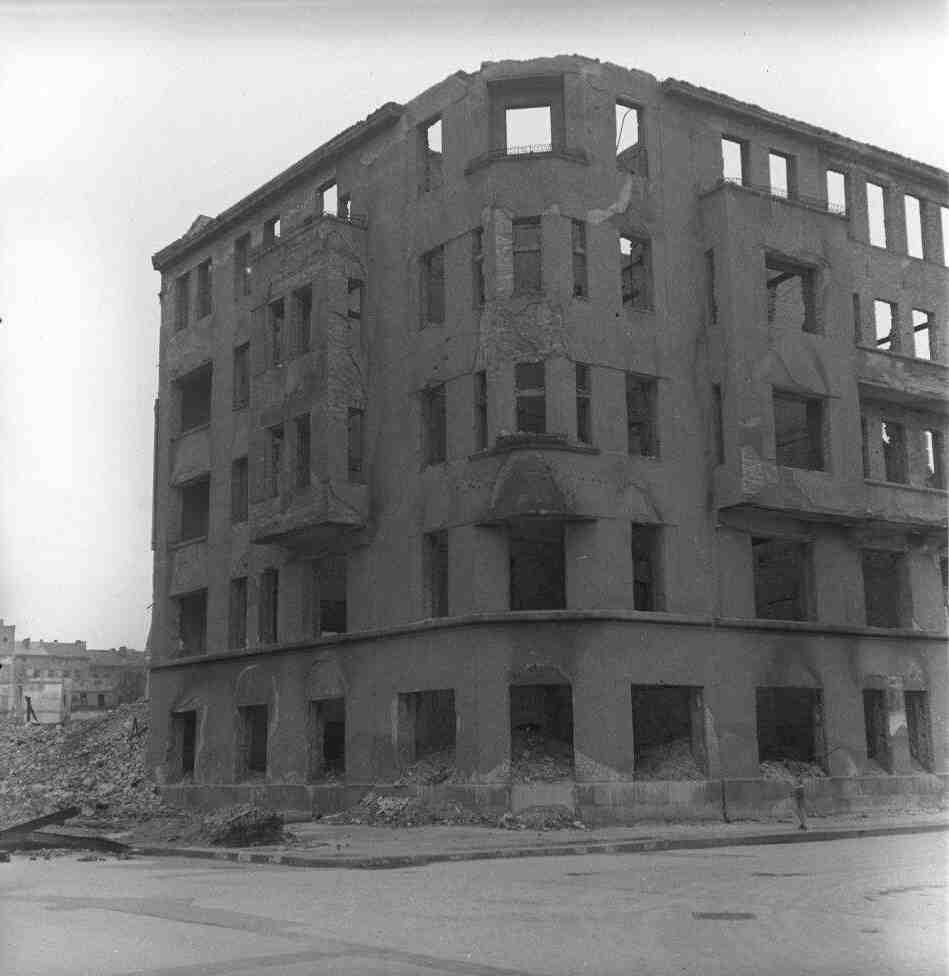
<point x="348" y="139"/>
<point x="843" y="146"/>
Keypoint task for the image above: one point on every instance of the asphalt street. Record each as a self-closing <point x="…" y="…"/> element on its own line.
<point x="872" y="905"/>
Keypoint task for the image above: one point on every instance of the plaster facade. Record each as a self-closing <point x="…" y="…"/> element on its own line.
<point x="343" y="464"/>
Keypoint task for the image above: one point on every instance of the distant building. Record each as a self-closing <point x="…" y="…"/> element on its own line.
<point x="87" y="680"/>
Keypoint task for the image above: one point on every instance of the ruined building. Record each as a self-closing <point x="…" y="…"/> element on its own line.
<point x="567" y="407"/>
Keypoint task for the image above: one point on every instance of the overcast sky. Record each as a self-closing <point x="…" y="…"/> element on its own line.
<point x="122" y="122"/>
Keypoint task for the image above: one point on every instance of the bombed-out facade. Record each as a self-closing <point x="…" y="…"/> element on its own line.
<point x="567" y="407"/>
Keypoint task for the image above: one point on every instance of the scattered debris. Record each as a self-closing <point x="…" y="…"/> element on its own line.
<point x="378" y="809"/>
<point x="791" y="770"/>
<point x="554" y="817"/>
<point x="244" y="825"/>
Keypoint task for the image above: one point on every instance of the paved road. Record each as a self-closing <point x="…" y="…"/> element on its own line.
<point x="842" y="907"/>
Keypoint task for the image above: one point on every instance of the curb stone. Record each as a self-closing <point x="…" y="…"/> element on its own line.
<point x="639" y="846"/>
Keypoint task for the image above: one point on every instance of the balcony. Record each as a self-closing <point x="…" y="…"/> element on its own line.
<point x="312" y="241"/>
<point x="529" y="152"/>
<point x="310" y="516"/>
<point x="902" y="379"/>
<point x="919" y="508"/>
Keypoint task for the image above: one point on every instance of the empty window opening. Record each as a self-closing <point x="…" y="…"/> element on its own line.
<point x="237" y="613"/>
<point x="934" y="448"/>
<point x="435" y="568"/>
<point x="791" y="730"/>
<point x="184" y="730"/>
<point x="241" y="391"/>
<point x="584" y="402"/>
<point x="530" y="398"/>
<point x="914" y="226"/>
<point x="274" y="459"/>
<point x="194" y="391"/>
<point x="329" y="199"/>
<point x="718" y="425"/>
<point x="481" y="410"/>
<point x="779" y="167"/>
<point x="944" y="577"/>
<point x="426" y="736"/>
<point x="876" y="215"/>
<point x="866" y="425"/>
<point x="268" y="606"/>
<point x="192" y="622"/>
<point x="922" y="334"/>
<point x="239" y="490"/>
<point x="182" y="301"/>
<point x="477" y="266"/>
<point x="668" y="732"/>
<point x="634" y="273"/>
<point x="630" y="147"/>
<point x="893" y="440"/>
<point x="884" y="319"/>
<point x="537" y="565"/>
<point x="302" y="305"/>
<point x="355" y="287"/>
<point x="433" y="157"/>
<point x="527" y="130"/>
<point x="327" y="721"/>
<point x="944" y="224"/>
<point x="541" y="733"/>
<point x="711" y="303"/>
<point x="857" y="320"/>
<point x="527" y="256"/>
<point x="276" y="315"/>
<point x="434" y="425"/>
<point x="782" y="578"/>
<point x="325" y="606"/>
<point x="252" y="741"/>
<point x="798" y="431"/>
<point x="271" y="230"/>
<point x="644" y="546"/>
<point x="195" y="500"/>
<point x="242" y="269"/>
<point x="876" y="727"/>
<point x="204" y="289"/>
<point x="883" y="588"/>
<point x="433" y="286"/>
<point x="836" y="191"/>
<point x="302" y="458"/>
<point x="790" y="295"/>
<point x="642" y="436"/>
<point x="344" y="207"/>
<point x="733" y="160"/>
<point x="919" y="729"/>
<point x="354" y="445"/>
<point x="578" y="232"/>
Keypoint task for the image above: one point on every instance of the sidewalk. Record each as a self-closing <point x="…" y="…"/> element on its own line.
<point x="343" y="846"/>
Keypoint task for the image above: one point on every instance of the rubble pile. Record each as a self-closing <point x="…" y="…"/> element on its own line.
<point x="381" y="810"/>
<point x="536" y="758"/>
<point x="243" y="825"/>
<point x="790" y="770"/>
<point x="668" y="760"/>
<point x="436" y="767"/>
<point x="96" y="764"/>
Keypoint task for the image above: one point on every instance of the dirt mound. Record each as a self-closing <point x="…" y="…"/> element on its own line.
<point x="436" y="767"/>
<point x="95" y="764"/>
<point x="790" y="770"/>
<point x="536" y="758"/>
<point x="670" y="760"/>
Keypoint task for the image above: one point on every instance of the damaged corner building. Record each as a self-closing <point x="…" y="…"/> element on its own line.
<point x="562" y="435"/>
